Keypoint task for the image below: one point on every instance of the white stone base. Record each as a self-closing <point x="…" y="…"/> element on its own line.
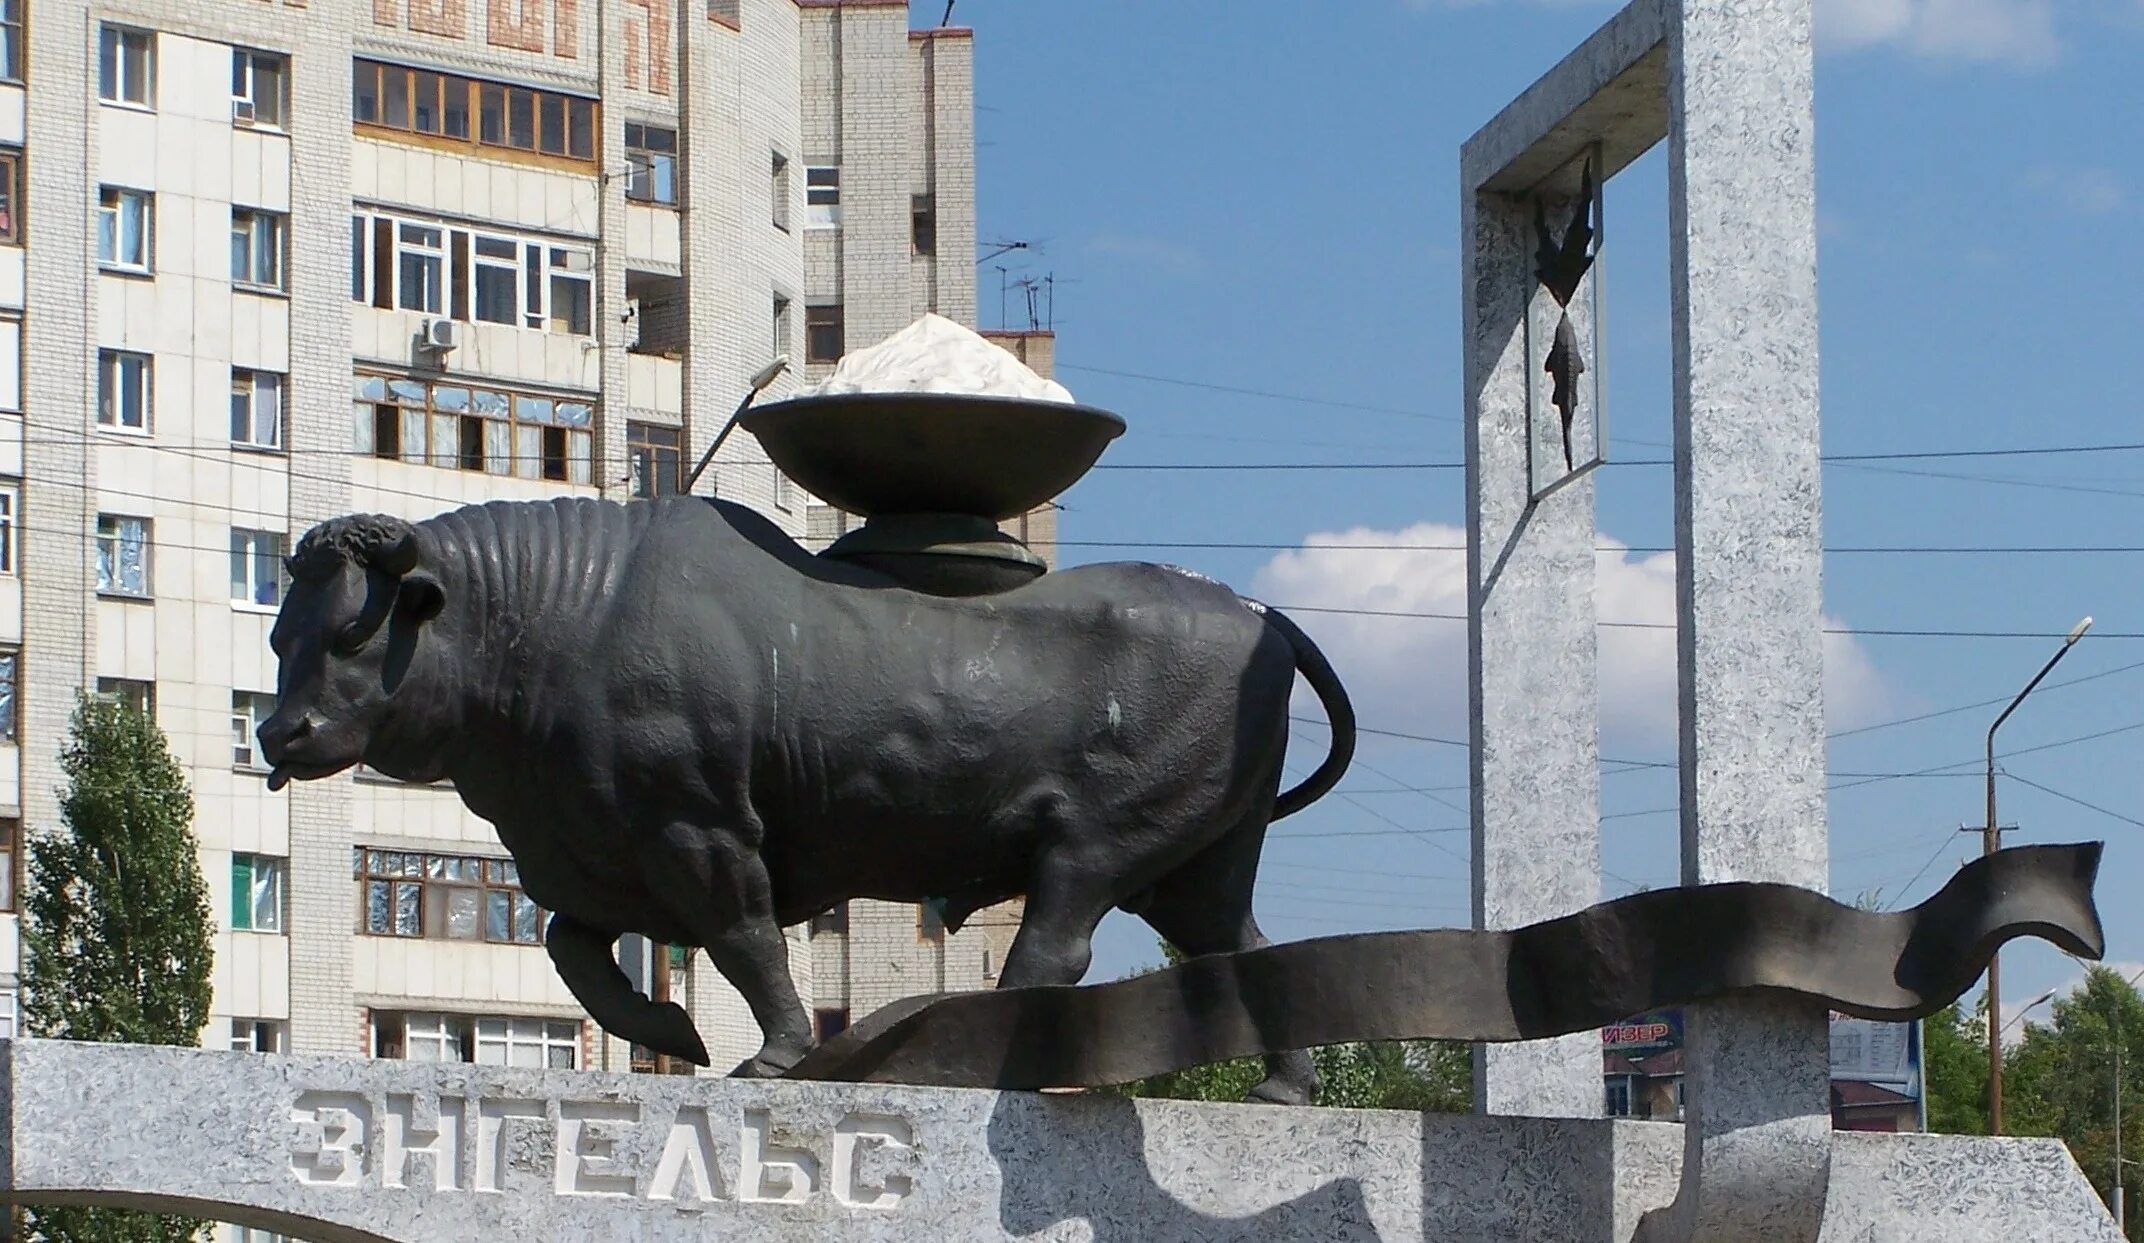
<point x="351" y="1151"/>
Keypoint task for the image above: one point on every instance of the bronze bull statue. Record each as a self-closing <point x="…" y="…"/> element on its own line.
<point x="684" y="726"/>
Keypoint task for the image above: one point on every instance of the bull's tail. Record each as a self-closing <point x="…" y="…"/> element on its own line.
<point x="1316" y="670"/>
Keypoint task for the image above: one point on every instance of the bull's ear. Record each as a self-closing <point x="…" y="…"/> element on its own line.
<point x="420" y="597"/>
<point x="399" y="556"/>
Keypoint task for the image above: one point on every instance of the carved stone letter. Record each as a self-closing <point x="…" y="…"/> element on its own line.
<point x="690" y="1158"/>
<point x="775" y="1171"/>
<point x="328" y="1146"/>
<point x="425" y="1131"/>
<point x="512" y="1143"/>
<point x="589" y="1135"/>
<point x="874" y="1161"/>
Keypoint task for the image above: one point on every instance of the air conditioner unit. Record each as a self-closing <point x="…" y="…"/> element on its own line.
<point x="441" y="335"/>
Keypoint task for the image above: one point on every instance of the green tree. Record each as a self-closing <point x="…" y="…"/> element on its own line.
<point x="1422" y="1075"/>
<point x="117" y="935"/>
<point x="1954" y="1069"/>
<point x="2061" y="1079"/>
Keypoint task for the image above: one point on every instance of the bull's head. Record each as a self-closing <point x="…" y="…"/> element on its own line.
<point x="347" y="638"/>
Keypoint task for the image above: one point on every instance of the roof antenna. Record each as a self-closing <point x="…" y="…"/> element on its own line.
<point x="948" y="13"/>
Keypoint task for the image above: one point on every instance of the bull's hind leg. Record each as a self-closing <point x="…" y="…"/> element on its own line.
<point x="1204" y="907"/>
<point x="721" y="892"/>
<point x="583" y="958"/>
<point x="1065" y="901"/>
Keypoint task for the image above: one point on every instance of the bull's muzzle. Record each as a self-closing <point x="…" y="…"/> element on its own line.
<point x="277" y="734"/>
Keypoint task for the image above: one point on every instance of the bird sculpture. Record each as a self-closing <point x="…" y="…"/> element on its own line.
<point x="1560" y="266"/>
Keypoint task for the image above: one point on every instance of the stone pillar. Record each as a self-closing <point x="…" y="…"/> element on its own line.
<point x="1532" y="690"/>
<point x="1749" y="585"/>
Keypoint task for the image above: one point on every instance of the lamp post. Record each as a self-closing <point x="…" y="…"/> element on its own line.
<point x="2035" y="1003"/>
<point x="1991" y="841"/>
<point x="760" y="380"/>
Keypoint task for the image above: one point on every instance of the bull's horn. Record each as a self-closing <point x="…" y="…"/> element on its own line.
<point x="399" y="557"/>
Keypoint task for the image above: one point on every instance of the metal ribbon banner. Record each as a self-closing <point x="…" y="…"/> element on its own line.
<point x="1667" y="947"/>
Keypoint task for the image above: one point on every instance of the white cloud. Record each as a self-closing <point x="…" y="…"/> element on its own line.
<point x="1410" y="674"/>
<point x="1148" y="251"/>
<point x="1985" y="31"/>
<point x="2014" y="1031"/>
<point x="2010" y="31"/>
<point x="2085" y="189"/>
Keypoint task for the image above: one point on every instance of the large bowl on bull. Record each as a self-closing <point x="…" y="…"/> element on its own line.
<point x="932" y="475"/>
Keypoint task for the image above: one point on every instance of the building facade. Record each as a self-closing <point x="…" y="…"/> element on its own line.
<point x="265" y="262"/>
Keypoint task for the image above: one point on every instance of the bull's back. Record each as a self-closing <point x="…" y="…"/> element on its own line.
<point x="887" y="739"/>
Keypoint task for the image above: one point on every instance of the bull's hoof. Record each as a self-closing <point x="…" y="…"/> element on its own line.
<point x="768" y="1063"/>
<point x="668" y="1029"/>
<point x="1280" y="1092"/>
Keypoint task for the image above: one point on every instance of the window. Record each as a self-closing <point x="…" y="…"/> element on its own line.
<point x="444" y="897"/>
<point x="829" y="1023"/>
<point x="256" y="409"/>
<point x="257" y="893"/>
<point x="10" y="702"/>
<point x="123" y="386"/>
<point x="655" y="454"/>
<point x="438" y="107"/>
<point x="10" y="501"/>
<point x="11" y="44"/>
<point x="785" y="497"/>
<point x="10" y="195"/>
<point x="497" y="280"/>
<point x="781" y="326"/>
<point x="485" y="430"/>
<point x="257" y="248"/>
<point x="1619" y="1097"/>
<point x="823" y="336"/>
<point x="125" y="228"/>
<point x="122" y="555"/>
<point x="129" y="693"/>
<point x="481" y="277"/>
<point x="257" y="88"/>
<point x="651" y="163"/>
<point x="781" y="192"/>
<point x="573" y="291"/>
<point x="528" y="1043"/>
<point x="249" y="710"/>
<point x="923" y="223"/>
<point x="10" y="865"/>
<point x="834" y="919"/>
<point x="126" y="66"/>
<point x="256" y="1036"/>
<point x="531" y="1043"/>
<point x="256" y="567"/>
<point x="822" y="197"/>
<point x="420" y="278"/>
<point x="930" y="922"/>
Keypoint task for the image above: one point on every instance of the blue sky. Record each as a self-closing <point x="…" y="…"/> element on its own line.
<point x="1267" y="201"/>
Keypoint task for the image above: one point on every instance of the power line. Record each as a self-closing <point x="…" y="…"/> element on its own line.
<point x="1843" y="459"/>
<point x="1641" y="549"/>
<point x="1984" y="703"/>
<point x="2071" y="798"/>
<point x="1856" y="632"/>
<point x="1264" y="393"/>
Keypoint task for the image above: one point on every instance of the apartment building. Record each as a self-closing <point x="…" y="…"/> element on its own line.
<point x="264" y="262"/>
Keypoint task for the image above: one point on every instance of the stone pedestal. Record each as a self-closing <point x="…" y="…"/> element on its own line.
<point x="343" y="1150"/>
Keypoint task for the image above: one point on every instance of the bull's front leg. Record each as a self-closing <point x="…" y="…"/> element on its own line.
<point x="585" y="962"/>
<point x="707" y="880"/>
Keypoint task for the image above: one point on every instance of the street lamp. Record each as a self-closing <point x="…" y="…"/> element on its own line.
<point x="2019" y="1017"/>
<point x="1991" y="841"/>
<point x="760" y="380"/>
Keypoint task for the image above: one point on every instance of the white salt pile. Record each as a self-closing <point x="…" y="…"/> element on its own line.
<point x="936" y="355"/>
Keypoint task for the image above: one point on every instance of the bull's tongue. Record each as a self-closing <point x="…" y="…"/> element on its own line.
<point x="278" y="777"/>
